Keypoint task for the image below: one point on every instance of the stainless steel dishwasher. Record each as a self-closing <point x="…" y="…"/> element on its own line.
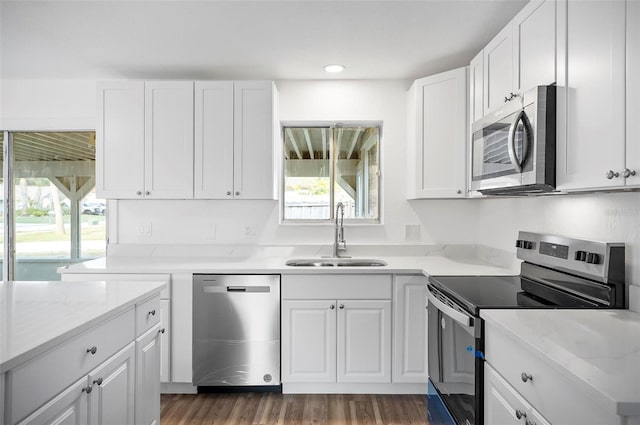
<point x="236" y="330"/>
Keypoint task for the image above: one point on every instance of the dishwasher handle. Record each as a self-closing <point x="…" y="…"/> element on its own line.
<point x="243" y="289"/>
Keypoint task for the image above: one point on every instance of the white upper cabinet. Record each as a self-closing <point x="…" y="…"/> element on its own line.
<point x="214" y="139"/>
<point x="144" y="140"/>
<point x="234" y="140"/>
<point x="253" y="140"/>
<point x="633" y="92"/>
<point x="437" y="135"/>
<point x="476" y="88"/>
<point x="498" y="69"/>
<point x="591" y="95"/>
<point x="168" y="139"/>
<point x="120" y="140"/>
<point x="520" y="57"/>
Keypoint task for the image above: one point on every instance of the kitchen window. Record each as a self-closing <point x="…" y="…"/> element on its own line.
<point x="52" y="216"/>
<point x="327" y="164"/>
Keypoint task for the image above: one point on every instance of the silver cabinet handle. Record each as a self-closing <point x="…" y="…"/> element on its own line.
<point x="528" y="422"/>
<point x="341" y="306"/>
<point x="459" y="192"/>
<point x="526" y="377"/>
<point x="228" y="193"/>
<point x="520" y="414"/>
<point x="138" y="193"/>
<point x="331" y="307"/>
<point x="611" y="174"/>
<point x="92" y="350"/>
<point x="87" y="389"/>
<point x="161" y="331"/>
<point x="147" y="193"/>
<point x="151" y="313"/>
<point x="628" y="173"/>
<point x="98" y="381"/>
<point x="237" y="193"/>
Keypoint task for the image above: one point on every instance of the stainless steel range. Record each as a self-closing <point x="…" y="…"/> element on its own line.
<point x="557" y="272"/>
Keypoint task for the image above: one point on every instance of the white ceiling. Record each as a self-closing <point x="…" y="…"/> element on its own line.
<point x="240" y="39"/>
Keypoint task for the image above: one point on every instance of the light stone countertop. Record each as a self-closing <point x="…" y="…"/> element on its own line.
<point x="36" y="316"/>
<point x="598" y="350"/>
<point x="432" y="260"/>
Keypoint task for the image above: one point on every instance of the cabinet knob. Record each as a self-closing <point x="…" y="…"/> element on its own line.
<point x="520" y="414"/>
<point x="92" y="350"/>
<point x="161" y="331"/>
<point x="237" y="193"/>
<point x="228" y="193"/>
<point x="528" y="422"/>
<point x="341" y="306"/>
<point x="459" y="192"/>
<point x="98" y="381"/>
<point x="526" y="377"/>
<point x="331" y="307"/>
<point x="611" y="174"/>
<point x="628" y="173"/>
<point x="151" y="313"/>
<point x="87" y="389"/>
<point x="138" y="193"/>
<point x="147" y="193"/>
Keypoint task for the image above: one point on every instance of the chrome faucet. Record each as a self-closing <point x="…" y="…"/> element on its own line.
<point x="339" y="233"/>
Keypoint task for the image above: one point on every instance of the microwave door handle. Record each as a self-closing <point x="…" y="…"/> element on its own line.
<point x="511" y="143"/>
<point x="456" y="315"/>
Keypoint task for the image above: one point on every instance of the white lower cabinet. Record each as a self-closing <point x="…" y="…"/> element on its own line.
<point x="336" y="341"/>
<point x="333" y="334"/>
<point x="503" y="405"/>
<point x="410" y="329"/>
<point x="118" y="376"/>
<point x="147" y="407"/>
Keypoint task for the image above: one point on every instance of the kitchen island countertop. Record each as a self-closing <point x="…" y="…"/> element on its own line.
<point x="36" y="316"/>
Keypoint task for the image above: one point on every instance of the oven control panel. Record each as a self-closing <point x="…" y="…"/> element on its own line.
<point x="554" y="250"/>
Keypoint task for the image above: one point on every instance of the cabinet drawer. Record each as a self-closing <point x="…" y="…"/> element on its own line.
<point x="336" y="286"/>
<point x="510" y="358"/>
<point x="147" y="314"/>
<point x="40" y="379"/>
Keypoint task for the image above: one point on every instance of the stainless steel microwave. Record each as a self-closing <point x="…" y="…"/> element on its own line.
<point x="513" y="149"/>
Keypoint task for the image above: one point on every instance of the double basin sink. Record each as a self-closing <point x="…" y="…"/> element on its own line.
<point x="335" y="262"/>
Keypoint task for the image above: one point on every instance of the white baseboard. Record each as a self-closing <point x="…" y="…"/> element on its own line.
<point x="177" y="388"/>
<point x="345" y="388"/>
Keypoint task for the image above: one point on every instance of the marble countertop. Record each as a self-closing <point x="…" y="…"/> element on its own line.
<point x="599" y="350"/>
<point x="35" y="316"/>
<point x="469" y="260"/>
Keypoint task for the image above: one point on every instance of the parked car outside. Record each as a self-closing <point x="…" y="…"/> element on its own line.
<point x="93" y="208"/>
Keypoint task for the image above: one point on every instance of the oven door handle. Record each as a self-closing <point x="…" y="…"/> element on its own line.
<point x="462" y="318"/>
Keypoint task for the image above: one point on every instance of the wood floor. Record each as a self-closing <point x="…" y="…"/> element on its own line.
<point x="278" y="409"/>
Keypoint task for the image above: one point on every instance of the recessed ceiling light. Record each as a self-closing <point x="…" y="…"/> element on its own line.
<point x="334" y="68"/>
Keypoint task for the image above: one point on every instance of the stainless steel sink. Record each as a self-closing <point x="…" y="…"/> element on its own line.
<point x="335" y="262"/>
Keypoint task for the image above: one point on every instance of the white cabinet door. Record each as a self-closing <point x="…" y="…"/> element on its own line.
<point x="410" y="329"/>
<point x="476" y="88"/>
<point x="633" y="91"/>
<point x="498" y="69"/>
<point x="441" y="131"/>
<point x="165" y="341"/>
<point x="213" y="164"/>
<point x="364" y="341"/>
<point x="120" y="140"/>
<point x="309" y="341"/>
<point x="112" y="397"/>
<point x="147" y="408"/>
<point x="591" y="100"/>
<point x="253" y="157"/>
<point x="168" y="139"/>
<point x="70" y="407"/>
<point x="534" y="35"/>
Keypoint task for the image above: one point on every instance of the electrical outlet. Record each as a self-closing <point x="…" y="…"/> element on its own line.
<point x="144" y="229"/>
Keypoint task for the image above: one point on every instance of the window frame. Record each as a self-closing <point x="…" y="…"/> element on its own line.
<point x="331" y="125"/>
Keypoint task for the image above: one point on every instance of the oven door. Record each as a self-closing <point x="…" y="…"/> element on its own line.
<point x="500" y="148"/>
<point x="455" y="364"/>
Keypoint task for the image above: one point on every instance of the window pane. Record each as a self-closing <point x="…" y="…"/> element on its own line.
<point x="356" y="171"/>
<point x="307" y="174"/>
<point x="93" y="226"/>
<point x="53" y="172"/>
